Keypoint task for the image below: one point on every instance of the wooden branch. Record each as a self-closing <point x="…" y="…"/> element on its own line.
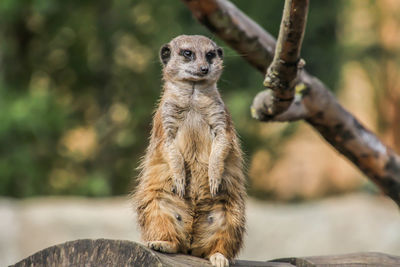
<point x="281" y="75"/>
<point x="105" y="252"/>
<point x="354" y="259"/>
<point x="313" y="101"/>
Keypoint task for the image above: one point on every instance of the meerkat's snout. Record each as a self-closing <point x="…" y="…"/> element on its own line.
<point x="204" y="69"/>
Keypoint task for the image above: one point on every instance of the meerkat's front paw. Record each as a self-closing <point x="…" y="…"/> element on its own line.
<point x="178" y="186"/>
<point x="215" y="184"/>
<point x="219" y="260"/>
<point x="163" y="246"/>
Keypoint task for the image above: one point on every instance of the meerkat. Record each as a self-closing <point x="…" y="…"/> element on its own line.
<point x="190" y="196"/>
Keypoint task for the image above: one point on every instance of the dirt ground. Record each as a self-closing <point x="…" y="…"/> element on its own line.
<point x="343" y="224"/>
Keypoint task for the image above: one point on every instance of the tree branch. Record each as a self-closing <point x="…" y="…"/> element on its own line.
<point x="107" y="252"/>
<point x="313" y="101"/>
<point x="282" y="73"/>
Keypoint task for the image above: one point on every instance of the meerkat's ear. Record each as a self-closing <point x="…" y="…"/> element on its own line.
<point x="220" y="52"/>
<point x="165" y="54"/>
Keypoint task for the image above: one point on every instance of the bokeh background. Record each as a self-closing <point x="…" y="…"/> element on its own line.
<point x="79" y="81"/>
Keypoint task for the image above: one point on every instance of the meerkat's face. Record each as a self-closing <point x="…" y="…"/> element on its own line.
<point x="192" y="58"/>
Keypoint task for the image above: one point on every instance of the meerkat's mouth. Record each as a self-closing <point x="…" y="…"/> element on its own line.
<point x="196" y="74"/>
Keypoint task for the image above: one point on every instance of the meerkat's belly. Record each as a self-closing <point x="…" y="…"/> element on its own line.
<point x="194" y="139"/>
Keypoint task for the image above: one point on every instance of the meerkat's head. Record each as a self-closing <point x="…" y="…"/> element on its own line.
<point x="192" y="59"/>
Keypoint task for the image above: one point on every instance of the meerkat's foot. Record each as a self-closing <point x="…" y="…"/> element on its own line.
<point x="163" y="246"/>
<point x="219" y="260"/>
<point x="178" y="187"/>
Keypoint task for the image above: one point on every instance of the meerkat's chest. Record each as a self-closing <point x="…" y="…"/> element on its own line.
<point x="194" y="137"/>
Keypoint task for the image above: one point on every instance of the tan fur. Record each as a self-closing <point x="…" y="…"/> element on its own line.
<point x="191" y="193"/>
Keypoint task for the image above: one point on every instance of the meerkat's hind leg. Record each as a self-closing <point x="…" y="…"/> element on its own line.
<point x="219" y="260"/>
<point x="163" y="246"/>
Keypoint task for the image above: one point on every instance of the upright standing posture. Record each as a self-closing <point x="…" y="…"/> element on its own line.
<point x="191" y="193"/>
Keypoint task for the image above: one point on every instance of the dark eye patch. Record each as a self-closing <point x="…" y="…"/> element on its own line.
<point x="210" y="55"/>
<point x="187" y="54"/>
<point x="220" y="52"/>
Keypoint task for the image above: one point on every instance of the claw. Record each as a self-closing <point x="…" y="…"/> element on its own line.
<point x="215" y="186"/>
<point x="178" y="187"/>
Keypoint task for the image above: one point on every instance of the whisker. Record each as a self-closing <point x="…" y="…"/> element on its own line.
<point x="226" y="81"/>
<point x="236" y="55"/>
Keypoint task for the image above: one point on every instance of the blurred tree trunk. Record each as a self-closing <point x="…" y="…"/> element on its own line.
<point x="387" y="76"/>
<point x="374" y="29"/>
<point x="388" y="93"/>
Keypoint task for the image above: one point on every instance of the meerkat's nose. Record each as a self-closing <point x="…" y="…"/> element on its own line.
<point x="204" y="69"/>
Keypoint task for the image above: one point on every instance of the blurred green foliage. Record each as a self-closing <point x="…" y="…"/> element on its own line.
<point x="79" y="81"/>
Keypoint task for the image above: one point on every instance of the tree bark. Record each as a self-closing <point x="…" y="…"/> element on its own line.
<point x="313" y="102"/>
<point x="105" y="252"/>
<point x="281" y="75"/>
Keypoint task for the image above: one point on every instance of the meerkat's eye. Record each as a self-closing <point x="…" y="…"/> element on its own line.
<point x="210" y="55"/>
<point x="187" y="54"/>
